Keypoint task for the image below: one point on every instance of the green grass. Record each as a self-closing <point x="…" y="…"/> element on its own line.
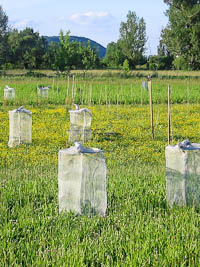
<point x="138" y="229"/>
<point x="102" y="90"/>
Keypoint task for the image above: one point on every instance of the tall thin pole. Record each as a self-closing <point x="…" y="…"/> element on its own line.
<point x="188" y="95"/>
<point x="90" y="94"/>
<point x="68" y="86"/>
<point x="73" y="88"/>
<point x="169" y="116"/>
<point x="53" y="85"/>
<point x="151" y="104"/>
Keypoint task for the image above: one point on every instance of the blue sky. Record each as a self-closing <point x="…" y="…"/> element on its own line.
<point x="97" y="20"/>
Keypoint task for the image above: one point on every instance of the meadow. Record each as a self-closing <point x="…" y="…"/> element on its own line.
<point x="139" y="229"/>
<point x="102" y="88"/>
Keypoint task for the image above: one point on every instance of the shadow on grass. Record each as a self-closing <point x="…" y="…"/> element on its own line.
<point x="109" y="136"/>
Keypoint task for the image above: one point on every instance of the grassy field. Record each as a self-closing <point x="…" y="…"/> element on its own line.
<point x="138" y="229"/>
<point x="103" y="89"/>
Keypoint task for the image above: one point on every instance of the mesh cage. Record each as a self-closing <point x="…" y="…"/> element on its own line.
<point x="183" y="175"/>
<point x="9" y="93"/>
<point x="80" y="125"/>
<point x="82" y="181"/>
<point x="20" y="127"/>
<point x="43" y="92"/>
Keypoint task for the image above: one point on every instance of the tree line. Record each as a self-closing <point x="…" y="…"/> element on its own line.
<point x="179" y="45"/>
<point x="26" y="49"/>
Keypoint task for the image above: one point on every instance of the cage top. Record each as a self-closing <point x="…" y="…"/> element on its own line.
<point x="78" y="148"/>
<point x="43" y="88"/>
<point x="80" y="110"/>
<point x="21" y="109"/>
<point x="7" y="88"/>
<point x="185" y="145"/>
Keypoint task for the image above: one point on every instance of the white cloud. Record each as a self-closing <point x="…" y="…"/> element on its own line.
<point x="22" y="24"/>
<point x="91" y="17"/>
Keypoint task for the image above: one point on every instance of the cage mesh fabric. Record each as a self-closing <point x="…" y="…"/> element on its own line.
<point x="43" y="92"/>
<point x="82" y="181"/>
<point x="20" y="127"/>
<point x="9" y="93"/>
<point x="80" y="123"/>
<point x="183" y="175"/>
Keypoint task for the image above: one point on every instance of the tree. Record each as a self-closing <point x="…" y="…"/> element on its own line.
<point x="27" y="48"/>
<point x="160" y="62"/>
<point x="114" y="57"/>
<point x="74" y="55"/>
<point x="182" y="34"/>
<point x="125" y="67"/>
<point x="133" y="39"/>
<point x="4" y="29"/>
<point x="50" y="55"/>
<point x="3" y="22"/>
<point x="89" y="58"/>
<point x="62" y="52"/>
<point x="68" y="54"/>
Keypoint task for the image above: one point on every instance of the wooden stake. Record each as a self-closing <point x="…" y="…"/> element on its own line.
<point x="132" y="95"/>
<point x="68" y="86"/>
<point x="53" y="85"/>
<point x="188" y="95"/>
<point x="151" y="105"/>
<point x="90" y="94"/>
<point x="73" y="89"/>
<point x="4" y="101"/>
<point x="106" y="95"/>
<point x="169" y="116"/>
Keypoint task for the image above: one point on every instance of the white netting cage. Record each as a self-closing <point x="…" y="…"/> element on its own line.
<point x="80" y="125"/>
<point x="82" y="180"/>
<point x="183" y="174"/>
<point x="9" y="93"/>
<point x="43" y="91"/>
<point x="20" y="127"/>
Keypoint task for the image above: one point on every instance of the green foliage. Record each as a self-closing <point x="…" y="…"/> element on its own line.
<point x="27" y="48"/>
<point x="125" y="67"/>
<point x="4" y="29"/>
<point x="114" y="57"/>
<point x="180" y="43"/>
<point x="89" y="57"/>
<point x="73" y="55"/>
<point x="182" y="34"/>
<point x="50" y="56"/>
<point x="133" y="39"/>
<point x="182" y="3"/>
<point x="63" y="55"/>
<point x="160" y="62"/>
<point x="7" y="66"/>
<point x="101" y="51"/>
<point x="3" y="21"/>
<point x="180" y="63"/>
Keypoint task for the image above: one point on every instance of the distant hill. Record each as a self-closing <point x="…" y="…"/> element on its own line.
<point x="100" y="49"/>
